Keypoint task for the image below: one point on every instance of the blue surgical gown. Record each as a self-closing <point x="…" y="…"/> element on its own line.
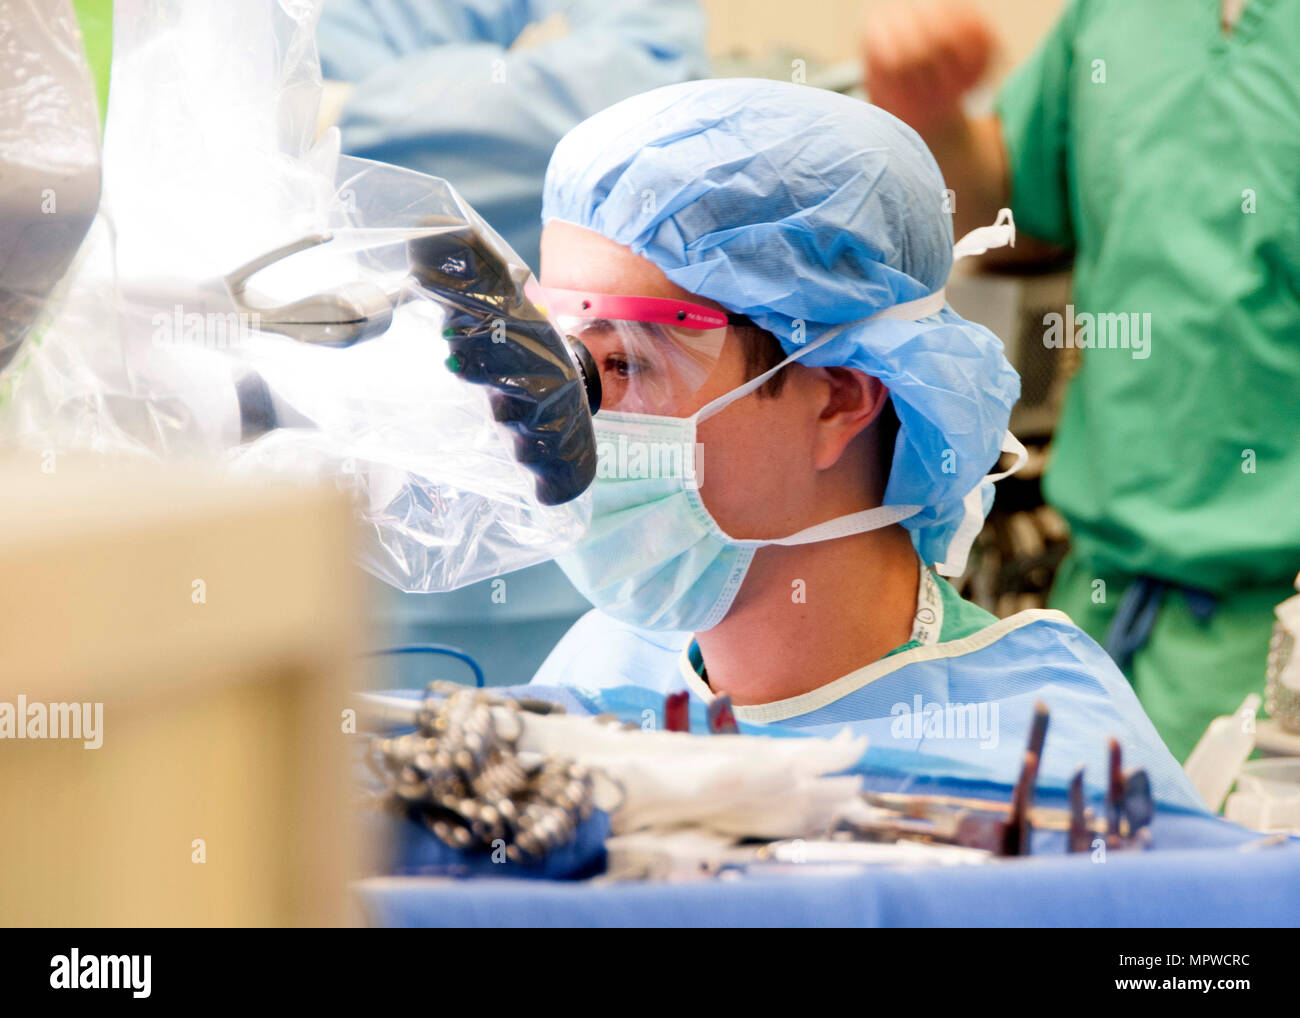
<point x="899" y="701"/>
<point x="438" y="88"/>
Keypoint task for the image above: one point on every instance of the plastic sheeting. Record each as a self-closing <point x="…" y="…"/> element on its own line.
<point x="209" y="164"/>
<point x="49" y="160"/>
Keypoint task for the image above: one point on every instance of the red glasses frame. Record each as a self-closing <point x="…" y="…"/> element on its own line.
<point x="624" y="308"/>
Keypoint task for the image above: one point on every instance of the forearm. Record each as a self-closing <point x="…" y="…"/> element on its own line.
<point x="970" y="154"/>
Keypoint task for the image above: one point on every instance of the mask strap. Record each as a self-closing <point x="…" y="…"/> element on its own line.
<point x="843" y="526"/>
<point x="911" y="310"/>
<point x="1001" y="233"/>
<point x="887" y="515"/>
<point x="972" y="521"/>
<point x="984" y="238"/>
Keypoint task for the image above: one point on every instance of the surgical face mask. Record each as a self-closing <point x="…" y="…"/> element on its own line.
<point x="654" y="556"/>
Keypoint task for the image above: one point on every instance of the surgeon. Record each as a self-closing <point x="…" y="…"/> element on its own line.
<point x="795" y="430"/>
<point x="1160" y="143"/>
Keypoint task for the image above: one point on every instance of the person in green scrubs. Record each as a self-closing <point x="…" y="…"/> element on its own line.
<point x="1160" y="143"/>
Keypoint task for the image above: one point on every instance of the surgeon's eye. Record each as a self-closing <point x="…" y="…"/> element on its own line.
<point x="623" y="367"/>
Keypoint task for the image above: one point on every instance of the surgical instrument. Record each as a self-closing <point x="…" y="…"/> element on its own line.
<point x="722" y="719"/>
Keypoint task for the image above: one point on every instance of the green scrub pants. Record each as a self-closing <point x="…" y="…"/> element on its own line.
<point x="1188" y="672"/>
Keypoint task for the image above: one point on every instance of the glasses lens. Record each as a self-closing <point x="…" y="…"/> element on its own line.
<point x="647" y="368"/>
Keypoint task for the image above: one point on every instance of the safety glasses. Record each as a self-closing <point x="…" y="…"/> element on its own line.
<point x="653" y="353"/>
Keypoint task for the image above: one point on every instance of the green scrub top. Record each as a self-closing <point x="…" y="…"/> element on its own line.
<point x="1167" y="155"/>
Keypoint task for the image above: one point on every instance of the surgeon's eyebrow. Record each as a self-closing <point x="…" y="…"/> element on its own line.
<point x="603" y="326"/>
<point x="586" y="324"/>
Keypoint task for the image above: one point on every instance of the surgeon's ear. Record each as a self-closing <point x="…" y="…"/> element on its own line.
<point x="852" y="400"/>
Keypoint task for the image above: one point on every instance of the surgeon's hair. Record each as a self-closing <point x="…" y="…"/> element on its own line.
<point x="763" y="352"/>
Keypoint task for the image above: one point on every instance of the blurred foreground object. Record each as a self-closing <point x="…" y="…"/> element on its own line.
<point x="1267" y="796"/>
<point x="525" y="782"/>
<point x="207" y="632"/>
<point x="1216" y="759"/>
<point x="1283" y="683"/>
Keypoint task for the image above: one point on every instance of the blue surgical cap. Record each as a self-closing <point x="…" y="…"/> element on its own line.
<point x="805" y="209"/>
